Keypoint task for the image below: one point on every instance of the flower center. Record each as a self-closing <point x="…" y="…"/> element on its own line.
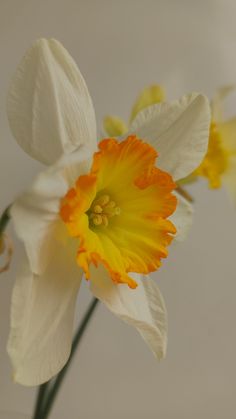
<point x="119" y="211"/>
<point x="102" y="209"/>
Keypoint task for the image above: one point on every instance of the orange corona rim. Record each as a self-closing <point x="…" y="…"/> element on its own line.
<point x="119" y="211"/>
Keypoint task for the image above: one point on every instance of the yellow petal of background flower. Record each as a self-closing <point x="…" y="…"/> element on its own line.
<point x="216" y="160"/>
<point x="114" y="126"/>
<point x="217" y="103"/>
<point x="149" y="96"/>
<point x="227" y="131"/>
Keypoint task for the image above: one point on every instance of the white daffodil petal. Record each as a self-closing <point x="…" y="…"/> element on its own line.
<point x="36" y="217"/>
<point x="49" y="107"/>
<point x="75" y="164"/>
<point x="179" y="131"/>
<point x="143" y="308"/>
<point x="182" y="218"/>
<point x="42" y="317"/>
<point x="217" y="107"/>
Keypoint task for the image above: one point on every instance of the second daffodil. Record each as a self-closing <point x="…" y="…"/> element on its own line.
<point x="219" y="165"/>
<point x="105" y="211"/>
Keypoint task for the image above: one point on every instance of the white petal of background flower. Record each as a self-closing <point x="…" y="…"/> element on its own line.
<point x="185" y="45"/>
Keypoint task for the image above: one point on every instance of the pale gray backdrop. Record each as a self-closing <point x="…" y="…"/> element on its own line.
<point x="121" y="46"/>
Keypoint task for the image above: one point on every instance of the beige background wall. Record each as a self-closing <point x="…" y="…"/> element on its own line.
<point x="121" y="46"/>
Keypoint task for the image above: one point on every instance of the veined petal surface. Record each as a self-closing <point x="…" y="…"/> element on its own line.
<point x="49" y="107"/>
<point x="179" y="131"/>
<point x="35" y="213"/>
<point x="42" y="316"/>
<point x="182" y="218"/>
<point x="142" y="308"/>
<point x="36" y="217"/>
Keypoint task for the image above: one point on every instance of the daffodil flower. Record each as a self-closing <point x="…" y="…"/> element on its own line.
<point x="219" y="164"/>
<point x="104" y="211"/>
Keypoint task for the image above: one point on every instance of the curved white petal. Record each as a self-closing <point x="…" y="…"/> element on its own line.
<point x="42" y="315"/>
<point x="179" y="131"/>
<point x="217" y="107"/>
<point x="75" y="164"/>
<point x="49" y="107"/>
<point x="36" y="217"/>
<point x="36" y="212"/>
<point x="182" y="218"/>
<point x="143" y="308"/>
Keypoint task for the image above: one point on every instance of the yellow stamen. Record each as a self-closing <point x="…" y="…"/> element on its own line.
<point x="97" y="209"/>
<point x="103" y="200"/>
<point x="105" y="220"/>
<point x="110" y="204"/>
<point x="102" y="209"/>
<point x="96" y="219"/>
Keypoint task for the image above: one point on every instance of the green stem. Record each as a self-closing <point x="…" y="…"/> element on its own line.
<point x="39" y="402"/>
<point x="5" y="218"/>
<point x="46" y="396"/>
